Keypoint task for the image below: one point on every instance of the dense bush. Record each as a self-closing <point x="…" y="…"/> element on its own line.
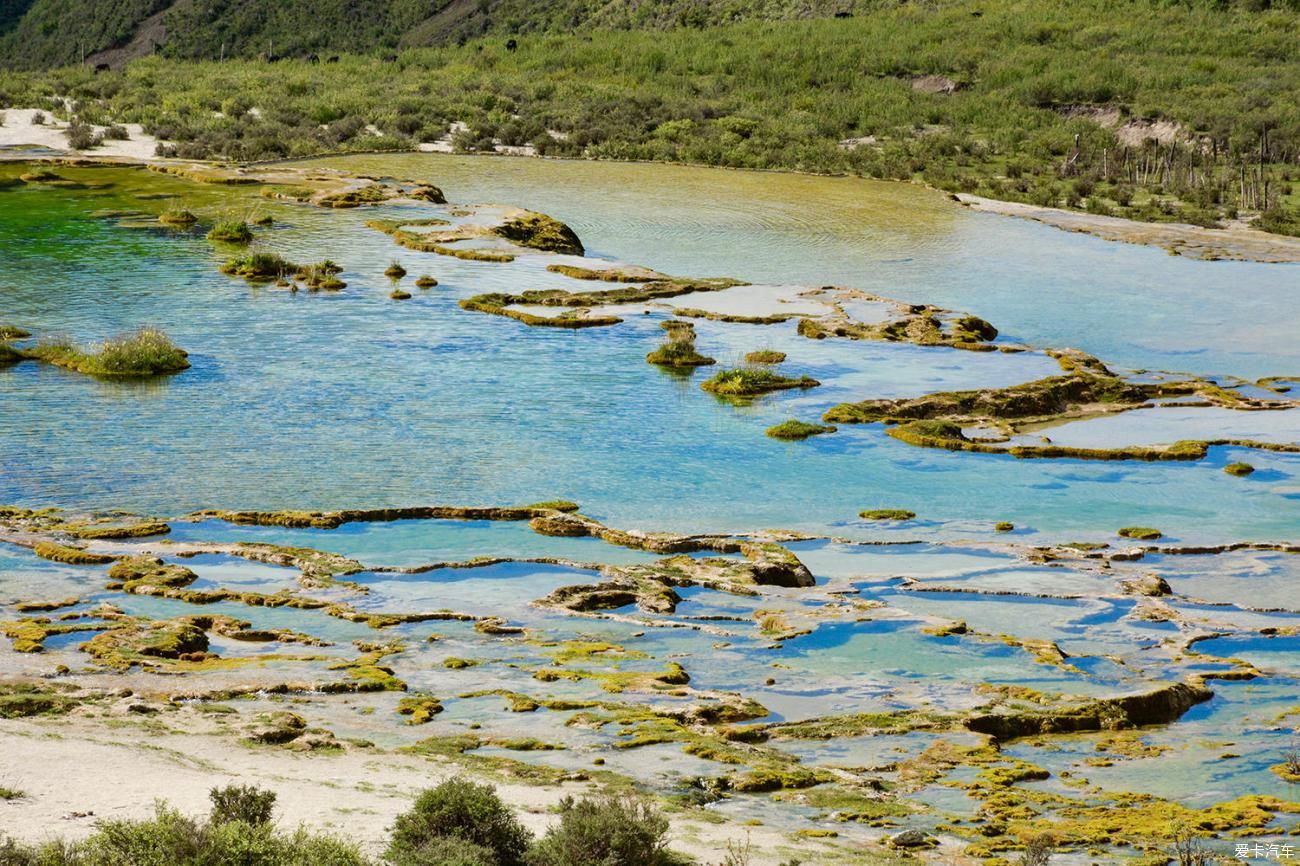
<point x="241" y="803"/>
<point x="445" y="851"/>
<point x="465" y="810"/>
<point x="610" y="831"/>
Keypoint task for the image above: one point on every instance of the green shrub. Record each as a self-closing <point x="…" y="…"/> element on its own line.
<point x="461" y="809"/>
<point x="244" y="803"/>
<point x="447" y="851"/>
<point x="231" y="232"/>
<point x="82" y="137"/>
<point x="610" y="831"/>
<point x="146" y="351"/>
<point x="172" y="839"/>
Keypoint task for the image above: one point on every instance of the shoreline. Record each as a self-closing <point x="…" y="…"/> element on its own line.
<point x="149" y="761"/>
<point x="1236" y="242"/>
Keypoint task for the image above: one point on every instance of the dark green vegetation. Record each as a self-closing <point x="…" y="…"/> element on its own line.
<point x="795" y="429"/>
<point x="43" y="32"/>
<point x="1147" y="109"/>
<point x="1141" y="533"/>
<point x="146" y="352"/>
<point x="461" y="823"/>
<point x="752" y="381"/>
<point x="678" y="349"/>
<point x="237" y="832"/>
<point x="465" y="810"/>
<point x="1239" y="469"/>
<point x="231" y="232"/>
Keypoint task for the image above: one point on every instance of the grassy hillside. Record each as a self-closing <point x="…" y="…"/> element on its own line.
<point x="46" y="33"/>
<point x="1049" y="102"/>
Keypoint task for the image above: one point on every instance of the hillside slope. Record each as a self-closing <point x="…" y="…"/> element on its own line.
<point x="37" y="34"/>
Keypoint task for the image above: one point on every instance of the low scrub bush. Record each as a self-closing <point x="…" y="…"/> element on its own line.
<point x="465" y="810"/>
<point x="609" y="831"/>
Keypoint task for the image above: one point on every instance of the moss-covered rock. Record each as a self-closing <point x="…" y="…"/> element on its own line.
<point x="1045" y="398"/>
<point x="1140" y="533"/>
<point x="428" y="192"/>
<point x="1158" y="706"/>
<point x="177" y="217"/>
<point x="753" y="381"/>
<point x="419" y="709"/>
<point x="765" y="356"/>
<point x="148" y="575"/>
<point x="541" y="232"/>
<point x="70" y="555"/>
<point x="1239" y="469"/>
<point x="887" y="514"/>
<point x="678" y="349"/>
<point x="142" y="529"/>
<point x="795" y="429"/>
<point x="231" y="232"/>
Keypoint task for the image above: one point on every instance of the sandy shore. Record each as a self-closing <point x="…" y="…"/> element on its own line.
<point x="19" y="131"/>
<point x="1237" y="241"/>
<point x="76" y="771"/>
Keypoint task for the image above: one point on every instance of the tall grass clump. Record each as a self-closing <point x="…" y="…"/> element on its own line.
<point x="231" y="231"/>
<point x="751" y="381"/>
<point x="145" y="352"/>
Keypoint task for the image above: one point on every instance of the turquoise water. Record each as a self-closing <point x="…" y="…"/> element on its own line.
<point x="354" y="400"/>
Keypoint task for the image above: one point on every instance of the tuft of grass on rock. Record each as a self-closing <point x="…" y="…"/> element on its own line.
<point x="144" y="352"/>
<point x="231" y="232"/>
<point x="177" y="217"/>
<point x="795" y="430"/>
<point x="752" y="381"/>
<point x="1140" y="533"/>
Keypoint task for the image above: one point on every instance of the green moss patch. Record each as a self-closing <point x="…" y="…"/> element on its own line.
<point x="887" y="514"/>
<point x="1140" y="533"/>
<point x="795" y="429"/>
<point x="753" y="381"/>
<point x="541" y="232"/>
<point x="69" y="555"/>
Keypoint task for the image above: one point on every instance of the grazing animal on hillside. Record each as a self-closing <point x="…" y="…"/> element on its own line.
<point x="102" y="67"/>
<point x="333" y="58"/>
<point x="511" y="45"/>
<point x="313" y="59"/>
<point x="843" y="14"/>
